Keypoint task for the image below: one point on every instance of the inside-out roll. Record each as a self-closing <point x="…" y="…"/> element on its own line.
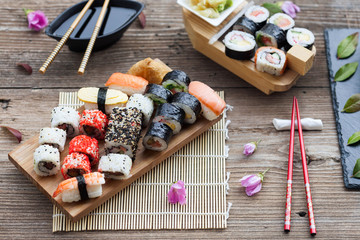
<point x="66" y="118"/>
<point x="46" y="160"/>
<point x="115" y="166"/>
<point x="270" y="60"/>
<point x="54" y="137"/>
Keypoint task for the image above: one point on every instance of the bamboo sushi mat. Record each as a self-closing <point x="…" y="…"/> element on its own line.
<point x="143" y="204"/>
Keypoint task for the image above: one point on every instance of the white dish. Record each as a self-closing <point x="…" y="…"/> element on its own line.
<point x="213" y="21"/>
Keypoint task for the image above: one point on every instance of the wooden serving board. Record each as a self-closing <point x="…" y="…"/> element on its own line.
<point x="22" y="158"/>
<point x="200" y="32"/>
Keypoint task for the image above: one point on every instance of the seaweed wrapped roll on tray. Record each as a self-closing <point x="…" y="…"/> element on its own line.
<point x="171" y="115"/>
<point x="75" y="164"/>
<point x="93" y="123"/>
<point x="158" y="94"/>
<point x="86" y="145"/>
<point x="54" y="137"/>
<point x="46" y="160"/>
<point x="115" y="166"/>
<point x="301" y="36"/>
<point x="144" y="104"/>
<point x="270" y="60"/>
<point x="258" y="14"/>
<point x="188" y="103"/>
<point x="81" y="187"/>
<point x="239" y="45"/>
<point x="176" y="81"/>
<point x="157" y="137"/>
<point x="66" y="118"/>
<point x="282" y="20"/>
<point x="246" y="25"/>
<point x="270" y="35"/>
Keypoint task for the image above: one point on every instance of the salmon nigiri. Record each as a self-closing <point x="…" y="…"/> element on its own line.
<point x="81" y="187"/>
<point x="211" y="103"/>
<point x="127" y="83"/>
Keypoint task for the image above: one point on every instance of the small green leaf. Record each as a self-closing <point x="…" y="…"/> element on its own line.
<point x="272" y="7"/>
<point x="356" y="171"/>
<point x="348" y="46"/>
<point x="354" y="138"/>
<point x="352" y="104"/>
<point x="346" y="71"/>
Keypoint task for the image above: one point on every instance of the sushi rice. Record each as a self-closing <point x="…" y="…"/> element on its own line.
<point x="270" y="60"/>
<point x="53" y="137"/>
<point x="115" y="166"/>
<point x="46" y="160"/>
<point x="144" y="104"/>
<point x="66" y="118"/>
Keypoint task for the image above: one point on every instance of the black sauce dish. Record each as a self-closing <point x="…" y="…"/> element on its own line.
<point x="119" y="16"/>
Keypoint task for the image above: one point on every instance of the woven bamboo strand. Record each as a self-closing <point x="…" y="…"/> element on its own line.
<point x="92" y="40"/>
<point x="63" y="40"/>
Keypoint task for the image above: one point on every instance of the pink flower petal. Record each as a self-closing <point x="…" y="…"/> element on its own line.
<point x="142" y="19"/>
<point x="25" y="66"/>
<point x="252" y="190"/>
<point x="177" y="193"/>
<point x="250" y="180"/>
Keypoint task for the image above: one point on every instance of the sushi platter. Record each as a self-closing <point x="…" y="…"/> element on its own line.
<point x="201" y="33"/>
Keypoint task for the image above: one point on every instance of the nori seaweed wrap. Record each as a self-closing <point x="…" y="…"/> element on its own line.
<point x="171" y="115"/>
<point x="158" y="93"/>
<point x="176" y="81"/>
<point x="158" y="136"/>
<point x="247" y="25"/>
<point x="271" y="35"/>
<point x="190" y="104"/>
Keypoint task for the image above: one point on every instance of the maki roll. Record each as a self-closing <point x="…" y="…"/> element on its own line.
<point x="86" y="145"/>
<point x="239" y="45"/>
<point x="158" y="93"/>
<point x="66" y="118"/>
<point x="244" y="24"/>
<point x="301" y="36"/>
<point x="46" y="160"/>
<point x="212" y="104"/>
<point x="127" y="83"/>
<point x="102" y="99"/>
<point x="188" y="103"/>
<point x="75" y="164"/>
<point x="258" y="15"/>
<point x="123" y="132"/>
<point x="81" y="187"/>
<point x="54" y="137"/>
<point x="271" y="35"/>
<point x="93" y="123"/>
<point x="270" y="60"/>
<point x="171" y="115"/>
<point x="115" y="166"/>
<point x="144" y="104"/>
<point x="157" y="137"/>
<point x="282" y="20"/>
<point x="176" y="81"/>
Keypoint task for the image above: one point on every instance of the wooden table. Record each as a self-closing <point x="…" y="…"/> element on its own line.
<point x="26" y="102"/>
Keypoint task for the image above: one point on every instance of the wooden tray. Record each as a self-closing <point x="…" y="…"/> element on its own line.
<point x="200" y="32"/>
<point x="22" y="158"/>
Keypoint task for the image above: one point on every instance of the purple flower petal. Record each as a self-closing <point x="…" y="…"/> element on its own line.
<point x="250" y="180"/>
<point x="252" y="190"/>
<point x="249" y="149"/>
<point x="37" y="20"/>
<point x="177" y="193"/>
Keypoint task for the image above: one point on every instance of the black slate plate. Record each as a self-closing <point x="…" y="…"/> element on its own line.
<point x="119" y="16"/>
<point x="346" y="123"/>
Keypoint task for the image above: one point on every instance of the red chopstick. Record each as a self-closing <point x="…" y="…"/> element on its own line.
<point x="290" y="171"/>
<point x="306" y="175"/>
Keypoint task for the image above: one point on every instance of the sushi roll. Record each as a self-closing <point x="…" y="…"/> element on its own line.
<point x="270" y="35"/>
<point x="176" y="81"/>
<point x="102" y="99"/>
<point x="239" y="45"/>
<point x="211" y="103"/>
<point x="81" y="187"/>
<point x="158" y="93"/>
<point x="75" y="164"/>
<point x="46" y="160"/>
<point x="171" y="115"/>
<point x="54" y="137"/>
<point x="86" y="145"/>
<point x="301" y="36"/>
<point x="123" y="132"/>
<point x="127" y="83"/>
<point x="270" y="60"/>
<point x="188" y="103"/>
<point x="144" y="104"/>
<point x="93" y="123"/>
<point x="115" y="166"/>
<point x="282" y="20"/>
<point x="258" y="14"/>
<point x="66" y="118"/>
<point x="157" y="137"/>
<point x="247" y="25"/>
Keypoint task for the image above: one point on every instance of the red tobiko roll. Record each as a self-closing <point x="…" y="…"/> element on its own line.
<point x="93" y="123"/>
<point x="75" y="164"/>
<point x="86" y="145"/>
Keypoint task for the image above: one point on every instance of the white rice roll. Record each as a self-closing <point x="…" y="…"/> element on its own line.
<point x="115" y="166"/>
<point x="46" y="160"/>
<point x="282" y="20"/>
<point x="270" y="60"/>
<point x="54" y="137"/>
<point x="144" y="104"/>
<point x="257" y="14"/>
<point x="66" y="118"/>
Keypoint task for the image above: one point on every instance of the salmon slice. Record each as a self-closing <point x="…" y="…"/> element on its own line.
<point x="207" y="96"/>
<point x="127" y="80"/>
